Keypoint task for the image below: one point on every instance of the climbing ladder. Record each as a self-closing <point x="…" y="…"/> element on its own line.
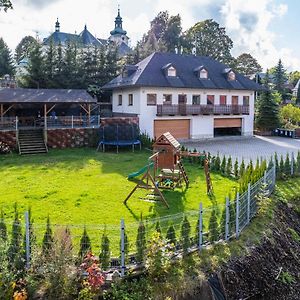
<point x="207" y="176"/>
<point x="183" y="173"/>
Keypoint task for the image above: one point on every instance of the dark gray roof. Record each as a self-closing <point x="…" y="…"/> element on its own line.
<point x="45" y="96"/>
<point x="86" y="38"/>
<point x="150" y="73"/>
<point x="61" y="38"/>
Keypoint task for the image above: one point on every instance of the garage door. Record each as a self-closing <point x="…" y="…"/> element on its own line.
<point x="180" y="129"/>
<point x="227" y="123"/>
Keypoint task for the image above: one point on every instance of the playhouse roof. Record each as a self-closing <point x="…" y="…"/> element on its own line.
<point x="167" y="137"/>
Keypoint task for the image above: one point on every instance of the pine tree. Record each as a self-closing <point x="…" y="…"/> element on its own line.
<point x="6" y="60"/>
<point x="36" y="77"/>
<point x="217" y="163"/>
<point x="141" y="243"/>
<point x="185" y="235"/>
<point x="242" y="168"/>
<point x="3" y="228"/>
<point x="298" y="163"/>
<point x="281" y="166"/>
<point x="85" y="244"/>
<point x="104" y="255"/>
<point x="268" y="110"/>
<point x="280" y="78"/>
<point x="236" y="169"/>
<point x="50" y="69"/>
<point x="229" y="167"/>
<point x="223" y="222"/>
<point x="276" y="163"/>
<point x="14" y="251"/>
<point x="223" y="166"/>
<point x="298" y="95"/>
<point x="48" y="239"/>
<point x="171" y="235"/>
<point x="213" y="227"/>
<point x="287" y="165"/>
<point x="126" y="243"/>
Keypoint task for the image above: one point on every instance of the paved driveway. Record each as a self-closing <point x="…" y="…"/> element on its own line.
<point x="247" y="147"/>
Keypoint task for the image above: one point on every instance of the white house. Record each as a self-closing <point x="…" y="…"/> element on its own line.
<point x="192" y="97"/>
<point x="295" y="89"/>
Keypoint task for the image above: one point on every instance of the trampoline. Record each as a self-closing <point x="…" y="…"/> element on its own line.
<point x="119" y="135"/>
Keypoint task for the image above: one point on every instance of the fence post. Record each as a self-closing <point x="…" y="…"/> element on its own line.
<point x="72" y="121"/>
<point x="227" y="219"/>
<point x="27" y="240"/>
<point x="248" y="202"/>
<point x="265" y="177"/>
<point x="200" y="227"/>
<point x="98" y="120"/>
<point x="17" y="121"/>
<point x="237" y="220"/>
<point x="292" y="164"/>
<point x="122" y="247"/>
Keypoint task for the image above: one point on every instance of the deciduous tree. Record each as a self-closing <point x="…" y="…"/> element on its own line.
<point x="246" y="64"/>
<point x="24" y="47"/>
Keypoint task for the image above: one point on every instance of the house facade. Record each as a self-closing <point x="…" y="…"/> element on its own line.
<point x="192" y="97"/>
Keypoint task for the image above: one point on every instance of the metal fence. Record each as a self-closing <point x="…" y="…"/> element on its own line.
<point x="202" y="229"/>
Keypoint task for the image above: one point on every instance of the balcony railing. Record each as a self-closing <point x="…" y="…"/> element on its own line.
<point x="191" y="109"/>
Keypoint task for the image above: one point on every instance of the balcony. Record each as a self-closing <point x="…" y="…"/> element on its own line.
<point x="194" y="110"/>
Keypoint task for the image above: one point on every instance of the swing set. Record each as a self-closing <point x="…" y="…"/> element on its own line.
<point x="165" y="169"/>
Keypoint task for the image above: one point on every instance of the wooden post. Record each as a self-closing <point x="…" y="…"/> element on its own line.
<point x="27" y="240"/>
<point x="248" y="203"/>
<point x="89" y="114"/>
<point x="45" y="122"/>
<point x="200" y="227"/>
<point x="122" y="248"/>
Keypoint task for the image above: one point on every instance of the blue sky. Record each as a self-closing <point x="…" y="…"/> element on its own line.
<point x="268" y="29"/>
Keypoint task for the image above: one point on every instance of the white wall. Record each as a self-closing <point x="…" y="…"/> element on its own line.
<point x="200" y="126"/>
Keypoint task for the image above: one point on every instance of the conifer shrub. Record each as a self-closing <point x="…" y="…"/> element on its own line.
<point x="104" y="255"/>
<point x="185" y="235"/>
<point x="213" y="227"/>
<point x="141" y="243"/>
<point x="223" y="166"/>
<point x="48" y="239"/>
<point x="171" y="235"/>
<point x="85" y="244"/>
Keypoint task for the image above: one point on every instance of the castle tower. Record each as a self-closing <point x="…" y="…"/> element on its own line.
<point x="118" y="35"/>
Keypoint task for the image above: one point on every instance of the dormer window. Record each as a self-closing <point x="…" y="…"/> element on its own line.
<point x="171" y="72"/>
<point x="203" y="74"/>
<point x="128" y="70"/>
<point x="231" y="76"/>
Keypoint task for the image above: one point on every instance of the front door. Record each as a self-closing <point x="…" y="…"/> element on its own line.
<point x="182" y="99"/>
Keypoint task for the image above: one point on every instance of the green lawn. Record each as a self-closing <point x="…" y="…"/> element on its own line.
<point x="82" y="186"/>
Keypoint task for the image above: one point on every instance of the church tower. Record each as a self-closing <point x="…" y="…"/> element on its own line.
<point x="57" y="26"/>
<point x="118" y="35"/>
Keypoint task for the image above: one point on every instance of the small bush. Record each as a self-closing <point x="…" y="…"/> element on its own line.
<point x="4" y="148"/>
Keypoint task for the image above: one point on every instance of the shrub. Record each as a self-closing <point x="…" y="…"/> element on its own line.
<point x="48" y="239"/>
<point x="213" y="226"/>
<point x="185" y="235"/>
<point x="146" y="140"/>
<point x="242" y="168"/>
<point x="141" y="243"/>
<point x="104" y="255"/>
<point x="287" y="165"/>
<point x="85" y="244"/>
<point x="223" y="166"/>
<point x="171" y="235"/>
<point x="236" y="169"/>
<point x="157" y="227"/>
<point x="3" y="228"/>
<point x="229" y="167"/>
<point x="217" y="163"/>
<point x="4" y="148"/>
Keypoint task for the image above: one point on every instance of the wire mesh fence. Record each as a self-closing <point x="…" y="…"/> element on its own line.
<point x="124" y="245"/>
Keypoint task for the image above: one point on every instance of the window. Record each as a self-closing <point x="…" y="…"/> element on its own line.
<point x="246" y="100"/>
<point x="167" y="99"/>
<point x="130" y="99"/>
<point x="231" y="76"/>
<point x="120" y="100"/>
<point x="235" y="100"/>
<point x="171" y="72"/>
<point x="182" y="99"/>
<point x="203" y="74"/>
<point x="196" y="100"/>
<point x="151" y="99"/>
<point x="223" y="100"/>
<point x="210" y="99"/>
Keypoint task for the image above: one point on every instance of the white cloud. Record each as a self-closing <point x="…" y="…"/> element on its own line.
<point x="247" y="22"/>
<point x="259" y="40"/>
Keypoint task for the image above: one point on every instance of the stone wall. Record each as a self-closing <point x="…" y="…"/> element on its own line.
<point x="9" y="137"/>
<point x="72" y="138"/>
<point x="119" y="120"/>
